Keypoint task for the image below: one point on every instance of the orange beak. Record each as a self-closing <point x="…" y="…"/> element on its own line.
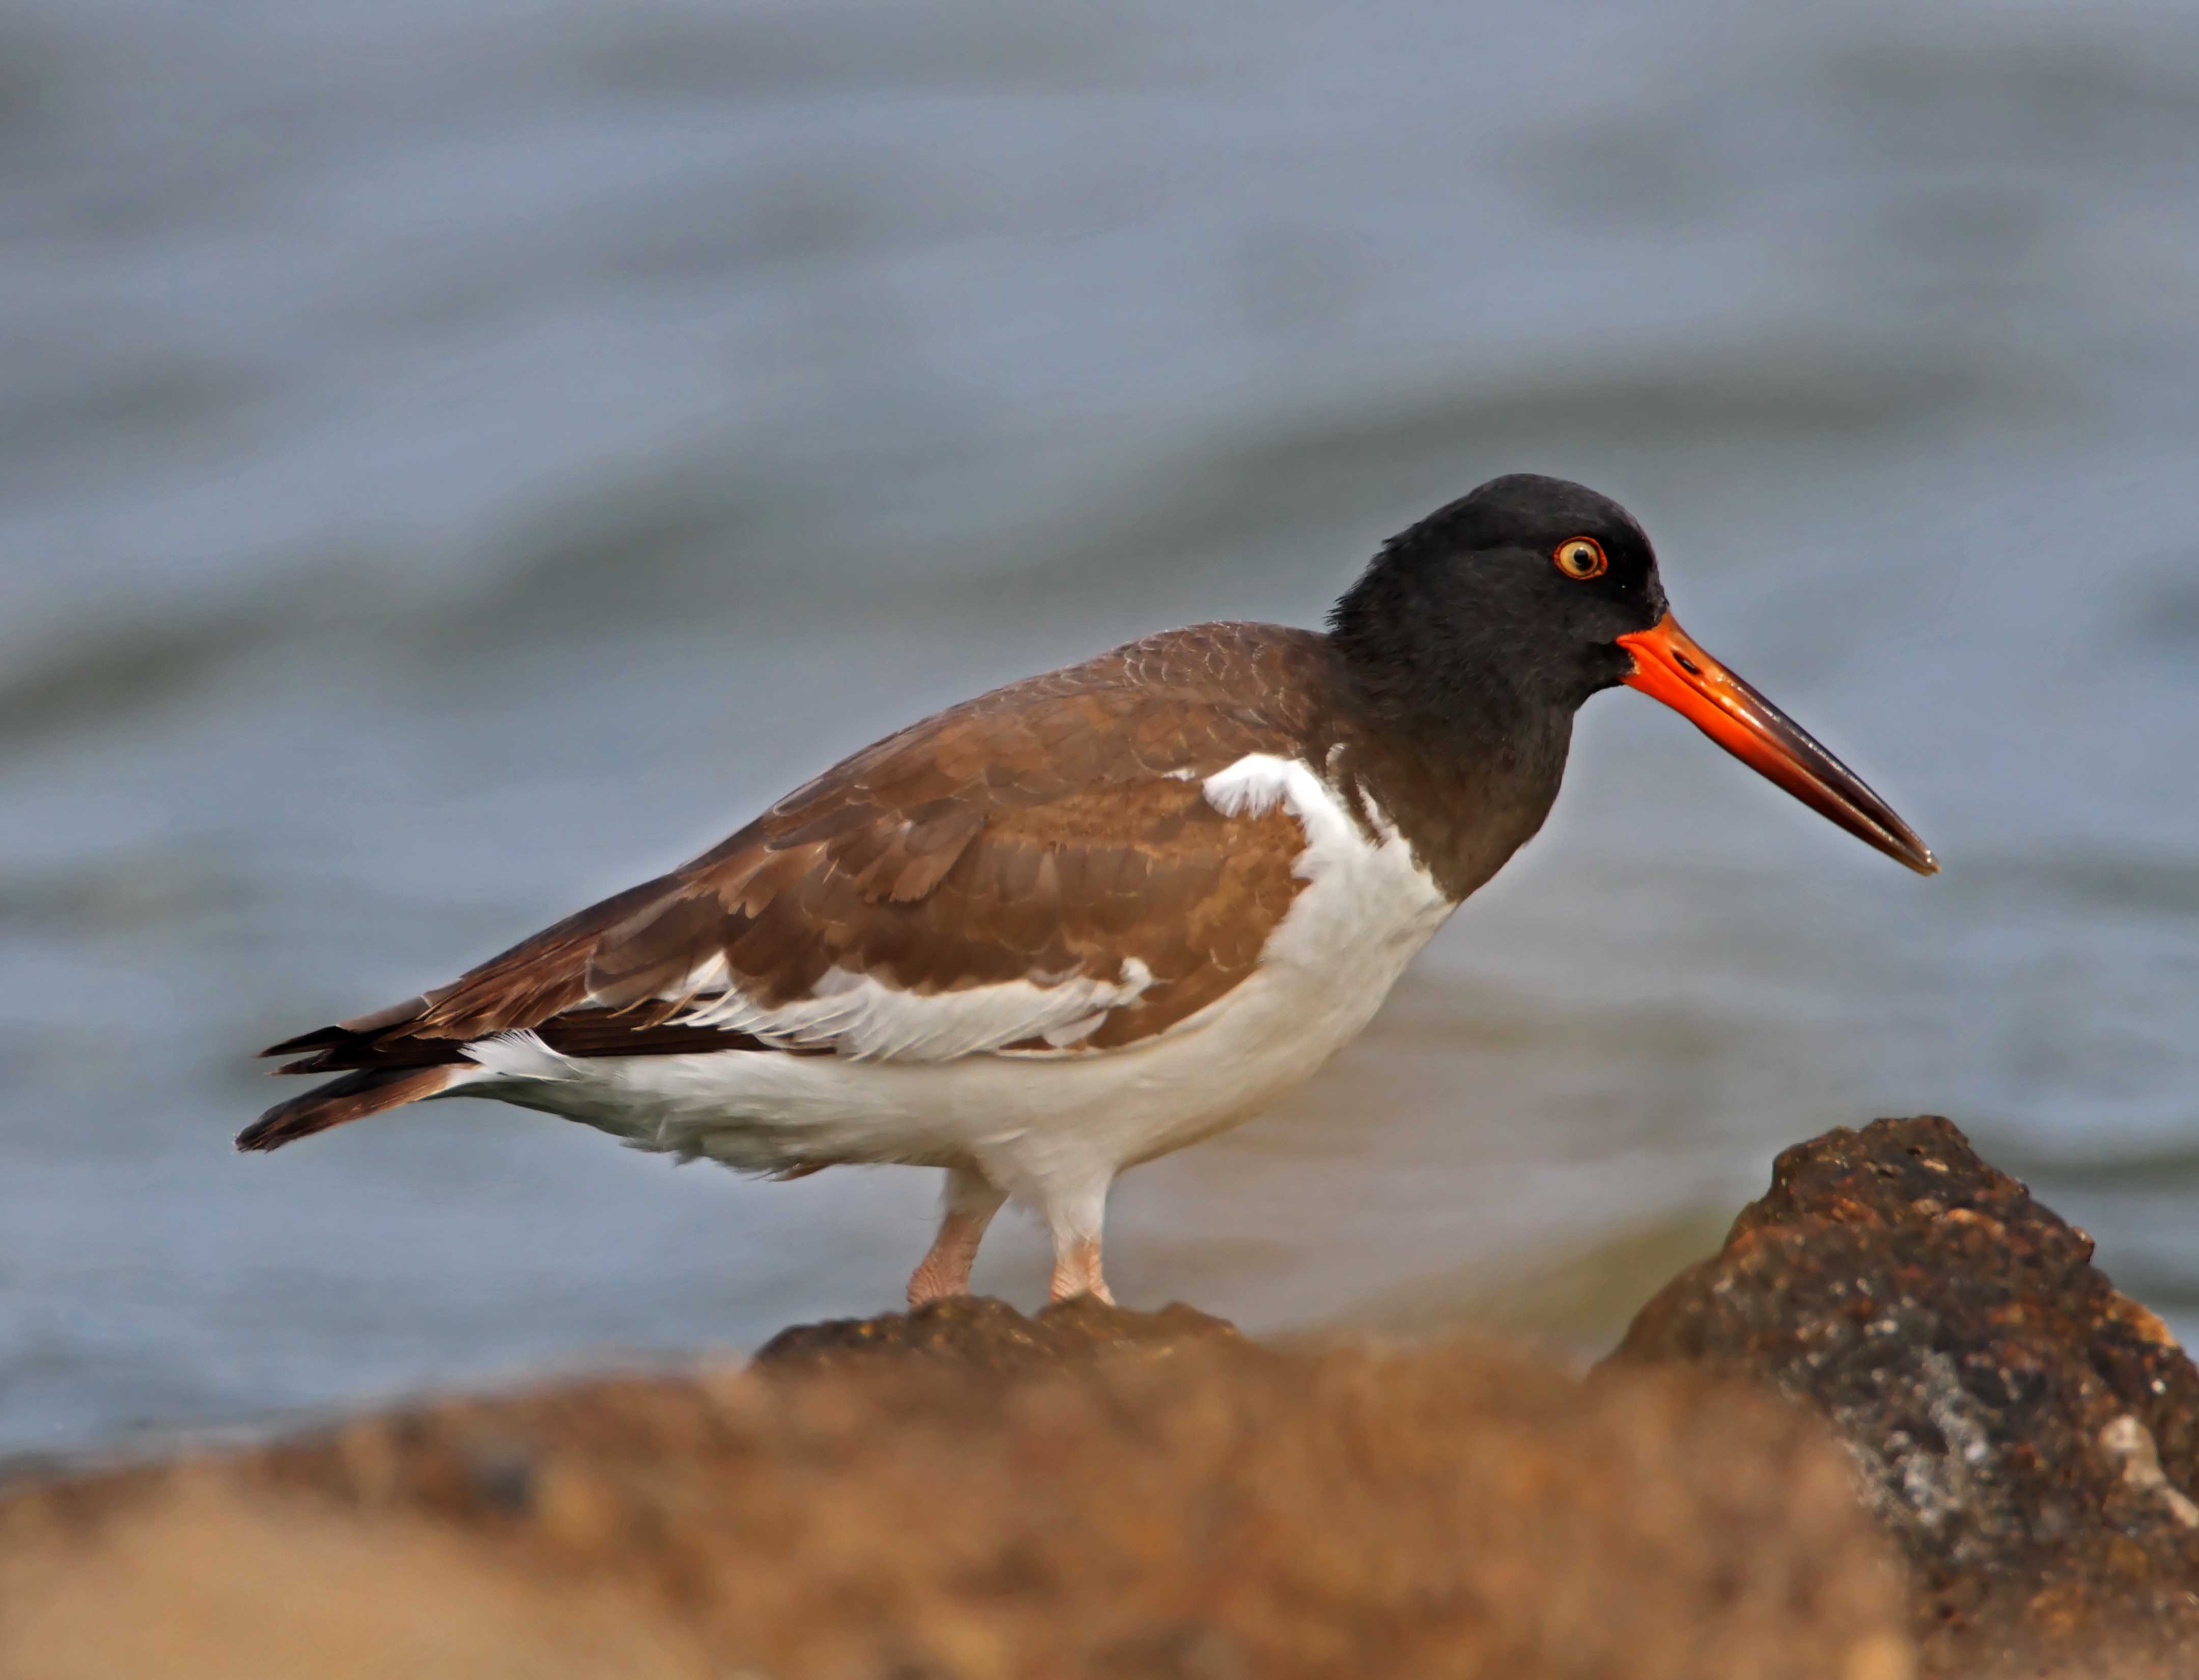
<point x="1668" y="666"/>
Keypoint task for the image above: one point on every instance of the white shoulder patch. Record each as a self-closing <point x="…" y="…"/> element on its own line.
<point x="1258" y="782"/>
<point x="1255" y="784"/>
<point x="1378" y="876"/>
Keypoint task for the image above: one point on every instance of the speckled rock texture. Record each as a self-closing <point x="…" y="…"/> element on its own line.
<point x="1173" y="1506"/>
<point x="2029" y="1436"/>
<point x="979" y="1334"/>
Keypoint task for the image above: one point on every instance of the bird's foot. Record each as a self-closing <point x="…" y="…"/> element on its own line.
<point x="1076" y="1272"/>
<point x="945" y="1270"/>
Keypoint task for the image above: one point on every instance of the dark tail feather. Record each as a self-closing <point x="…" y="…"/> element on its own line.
<point x="345" y="1032"/>
<point x="353" y="1097"/>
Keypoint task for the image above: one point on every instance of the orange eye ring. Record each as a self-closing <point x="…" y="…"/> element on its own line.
<point x="1581" y="558"/>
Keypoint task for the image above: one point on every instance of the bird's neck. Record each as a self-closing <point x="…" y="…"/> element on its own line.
<point x="1464" y="762"/>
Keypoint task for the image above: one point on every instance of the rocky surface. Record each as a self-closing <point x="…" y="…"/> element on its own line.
<point x="2029" y="1436"/>
<point x="978" y="1334"/>
<point x="1991" y="1473"/>
<point x="1173" y="1505"/>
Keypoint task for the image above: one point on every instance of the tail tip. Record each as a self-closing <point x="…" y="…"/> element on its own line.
<point x="367" y="1091"/>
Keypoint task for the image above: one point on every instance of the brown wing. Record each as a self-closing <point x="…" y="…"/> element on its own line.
<point x="1055" y="832"/>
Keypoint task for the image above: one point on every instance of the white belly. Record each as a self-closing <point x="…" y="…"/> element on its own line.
<point x="1024" y="1119"/>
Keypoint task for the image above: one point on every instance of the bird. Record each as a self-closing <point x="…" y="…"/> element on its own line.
<point x="1097" y="915"/>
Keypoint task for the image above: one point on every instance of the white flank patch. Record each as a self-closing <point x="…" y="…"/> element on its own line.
<point x="921" y="1079"/>
<point x="862" y="1019"/>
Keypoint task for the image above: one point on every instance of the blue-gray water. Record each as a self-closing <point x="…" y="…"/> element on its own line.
<point x="458" y="459"/>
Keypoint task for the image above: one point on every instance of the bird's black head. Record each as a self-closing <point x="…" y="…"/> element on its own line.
<point x="1512" y="599"/>
<point x="1479" y="633"/>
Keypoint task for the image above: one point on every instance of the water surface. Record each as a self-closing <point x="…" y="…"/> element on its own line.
<point x="458" y="461"/>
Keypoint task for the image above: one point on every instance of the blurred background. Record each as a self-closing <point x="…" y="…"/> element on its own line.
<point x="460" y="459"/>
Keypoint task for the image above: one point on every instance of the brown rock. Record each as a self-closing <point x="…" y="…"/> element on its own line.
<point x="2029" y="1436"/>
<point x="1198" y="1514"/>
<point x="979" y="1334"/>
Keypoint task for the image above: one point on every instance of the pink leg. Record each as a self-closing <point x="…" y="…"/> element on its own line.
<point x="1076" y="1220"/>
<point x="971" y="1203"/>
<point x="1076" y="1272"/>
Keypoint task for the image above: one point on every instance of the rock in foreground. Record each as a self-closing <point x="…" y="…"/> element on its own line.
<point x="981" y="1335"/>
<point x="1170" y="1507"/>
<point x="964" y="1493"/>
<point x="2030" y="1436"/>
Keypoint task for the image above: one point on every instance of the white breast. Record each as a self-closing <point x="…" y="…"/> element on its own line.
<point x="1367" y="907"/>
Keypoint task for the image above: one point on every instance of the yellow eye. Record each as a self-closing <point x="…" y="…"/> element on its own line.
<point x="1581" y="558"/>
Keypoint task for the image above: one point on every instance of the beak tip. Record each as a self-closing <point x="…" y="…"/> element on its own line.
<point x="1669" y="667"/>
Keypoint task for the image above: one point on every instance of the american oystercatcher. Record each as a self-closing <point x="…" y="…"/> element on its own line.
<point x="1092" y="917"/>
